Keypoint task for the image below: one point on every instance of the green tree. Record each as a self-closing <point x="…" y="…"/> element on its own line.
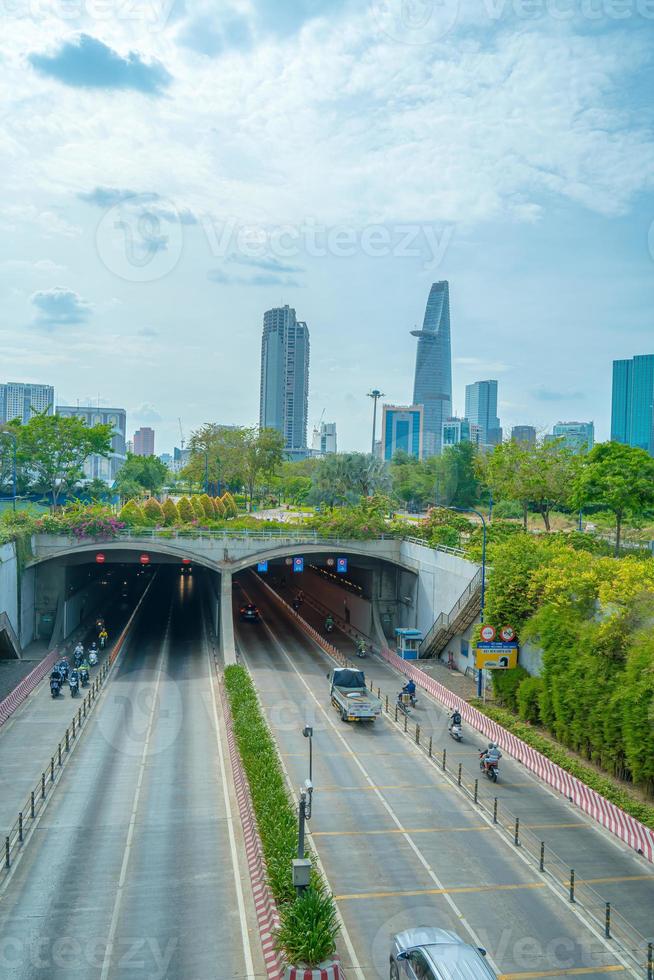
<point x="343" y="478"/>
<point x="140" y="474"/>
<point x="208" y="507"/>
<point x="52" y="450"/>
<point x="458" y="476"/>
<point x="618" y="478"/>
<point x="198" y="509"/>
<point x="185" y="510"/>
<point x="170" y="512"/>
<point x="131" y="514"/>
<point x="539" y="476"/>
<point x="97" y="490"/>
<point x="153" y="510"/>
<point x="262" y="456"/>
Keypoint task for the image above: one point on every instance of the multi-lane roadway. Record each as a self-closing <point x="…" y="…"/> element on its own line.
<point x="401" y="846"/>
<point x="135" y="869"/>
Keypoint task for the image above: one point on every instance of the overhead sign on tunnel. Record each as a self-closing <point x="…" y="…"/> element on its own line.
<point x="341" y="566"/>
<point x="262" y="566"/>
<point x="298" y="564"/>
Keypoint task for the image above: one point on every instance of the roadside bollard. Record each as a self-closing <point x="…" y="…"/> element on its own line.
<point x="387" y="704"/>
<point x="541" y="865"/>
<point x="59" y="753"/>
<point x="430" y="738"/>
<point x="476" y="789"/>
<point x="52" y="769"/>
<point x="650" y="961"/>
<point x="406" y="722"/>
<point x="572" y="885"/>
<point x="67" y="740"/>
<point x="379" y="693"/>
<point x="32" y="804"/>
<point x="458" y="778"/>
<point x="395" y="712"/>
<point x="444" y="758"/>
<point x="42" y="785"/>
<point x="495" y="810"/>
<point x="417" y="734"/>
<point x="607" y="920"/>
<point x="84" y="707"/>
<point x="20" y="826"/>
<point x="7" y="853"/>
<point x="516" y="832"/>
<point x="73" y="728"/>
<point x="79" y="717"/>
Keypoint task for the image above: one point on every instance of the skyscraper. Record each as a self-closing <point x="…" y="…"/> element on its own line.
<point x="632" y="404"/>
<point x="144" y="441"/>
<point x="481" y="408"/>
<point x="101" y="467"/>
<point x="524" y="434"/>
<point x="577" y="436"/>
<point x="324" y="438"/>
<point x="433" y="379"/>
<point x="284" y="392"/>
<point x="21" y="401"/>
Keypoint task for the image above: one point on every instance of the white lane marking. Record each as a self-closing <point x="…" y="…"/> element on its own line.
<point x="106" y="964"/>
<point x="245" y="937"/>
<point x="413" y="747"/>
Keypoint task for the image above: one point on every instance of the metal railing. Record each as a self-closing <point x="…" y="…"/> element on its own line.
<point x="445" y="620"/>
<point x="50" y="775"/>
<point x="634" y="950"/>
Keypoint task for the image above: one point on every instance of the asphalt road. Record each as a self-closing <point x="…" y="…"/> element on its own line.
<point x="131" y="872"/>
<point x="400" y="846"/>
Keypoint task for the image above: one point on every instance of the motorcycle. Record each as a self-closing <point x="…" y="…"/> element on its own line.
<point x="84" y="677"/>
<point x="404" y="702"/>
<point x="296" y="604"/>
<point x="55" y="686"/>
<point x="456" y="731"/>
<point x="490" y="766"/>
<point x="93" y="658"/>
<point x="73" y="683"/>
<point x="329" y="627"/>
<point x="63" y="669"/>
<point x="411" y="695"/>
<point x="103" y="642"/>
<point x="361" y="650"/>
<point x="77" y="659"/>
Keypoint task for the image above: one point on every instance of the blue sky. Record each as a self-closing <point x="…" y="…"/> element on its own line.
<point x="174" y="170"/>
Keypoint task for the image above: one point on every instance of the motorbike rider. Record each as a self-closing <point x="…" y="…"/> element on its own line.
<point x="56" y="679"/>
<point x="79" y="649"/>
<point x="329" y="623"/>
<point x="84" y="672"/>
<point x="73" y="682"/>
<point x="93" y="649"/>
<point x="410" y="689"/>
<point x="455" y="719"/>
<point x="103" y="637"/>
<point x="93" y="658"/>
<point x="361" y="647"/>
<point x="491" y="755"/>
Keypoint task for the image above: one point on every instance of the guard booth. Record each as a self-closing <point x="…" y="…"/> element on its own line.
<point x="407" y="643"/>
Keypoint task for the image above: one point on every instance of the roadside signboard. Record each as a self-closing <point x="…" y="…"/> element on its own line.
<point x="262" y="566"/>
<point x="341" y="566"/>
<point x="496" y="656"/>
<point x="487" y="633"/>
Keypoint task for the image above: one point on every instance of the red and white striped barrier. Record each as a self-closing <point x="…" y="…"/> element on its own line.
<point x="26" y="686"/>
<point x="264" y="902"/>
<point x="627" y="828"/>
<point x="326" y="971"/>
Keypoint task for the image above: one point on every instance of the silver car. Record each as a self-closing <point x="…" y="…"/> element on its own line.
<point x="436" y="954"/>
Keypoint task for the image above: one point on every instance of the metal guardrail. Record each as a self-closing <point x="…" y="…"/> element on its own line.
<point x="625" y="941"/>
<point x="50" y="775"/>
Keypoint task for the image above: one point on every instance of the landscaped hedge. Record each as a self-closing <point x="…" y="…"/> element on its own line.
<point x="308" y="928"/>
<point x="558" y="755"/>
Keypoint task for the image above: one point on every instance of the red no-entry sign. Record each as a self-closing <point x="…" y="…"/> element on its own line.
<point x="144" y="559"/>
<point x="100" y="558"/>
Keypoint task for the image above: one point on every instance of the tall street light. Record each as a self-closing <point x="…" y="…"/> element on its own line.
<point x="12" y="436"/>
<point x="375" y="394"/>
<point x="471" y="510"/>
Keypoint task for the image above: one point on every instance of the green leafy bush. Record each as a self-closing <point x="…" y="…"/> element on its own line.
<point x="198" y="509"/>
<point x="308" y="925"/>
<point x="170" y="512"/>
<point x="153" y="511"/>
<point x="528" y="699"/>
<point x="185" y="510"/>
<point x="131" y="514"/>
<point x="208" y="506"/>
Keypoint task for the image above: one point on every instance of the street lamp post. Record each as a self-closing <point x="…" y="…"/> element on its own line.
<point x="11" y="435"/>
<point x="307" y="731"/>
<point x="375" y="394"/>
<point x="471" y="510"/>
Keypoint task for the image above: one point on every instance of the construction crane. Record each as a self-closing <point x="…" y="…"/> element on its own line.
<point x="181" y="433"/>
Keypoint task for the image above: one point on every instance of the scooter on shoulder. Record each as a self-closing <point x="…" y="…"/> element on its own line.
<point x="404" y="702"/>
<point x="490" y="766"/>
<point x="361" y="649"/>
<point x="55" y="683"/>
<point x="455" y="730"/>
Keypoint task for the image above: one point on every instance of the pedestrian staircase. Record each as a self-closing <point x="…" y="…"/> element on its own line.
<point x="462" y="615"/>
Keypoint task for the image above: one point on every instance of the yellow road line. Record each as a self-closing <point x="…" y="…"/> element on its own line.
<point x="365" y="789"/>
<point x="573" y="971"/>
<point x="394" y="830"/>
<point x="607" y="881"/>
<point x="440" y="891"/>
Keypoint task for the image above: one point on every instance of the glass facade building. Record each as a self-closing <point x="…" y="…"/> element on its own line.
<point x="402" y="430"/>
<point x="481" y="408"/>
<point x="632" y="402"/>
<point x="21" y="401"/>
<point x="101" y="467"/>
<point x="284" y="390"/>
<point x="577" y="436"/>
<point x="433" y="378"/>
<point x="524" y="434"/>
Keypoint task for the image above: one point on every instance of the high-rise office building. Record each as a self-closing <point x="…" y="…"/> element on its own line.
<point x="102" y="467"/>
<point x="144" y="441"/>
<point x="457" y="430"/>
<point x="433" y="378"/>
<point x="22" y="401"/>
<point x="481" y="408"/>
<point x="402" y="430"/>
<point x="284" y="391"/>
<point x="632" y="404"/>
<point x="524" y="434"/>
<point x="577" y="436"/>
<point x="324" y="438"/>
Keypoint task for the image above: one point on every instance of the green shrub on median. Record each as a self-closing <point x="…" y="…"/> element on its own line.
<point x="308" y="924"/>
